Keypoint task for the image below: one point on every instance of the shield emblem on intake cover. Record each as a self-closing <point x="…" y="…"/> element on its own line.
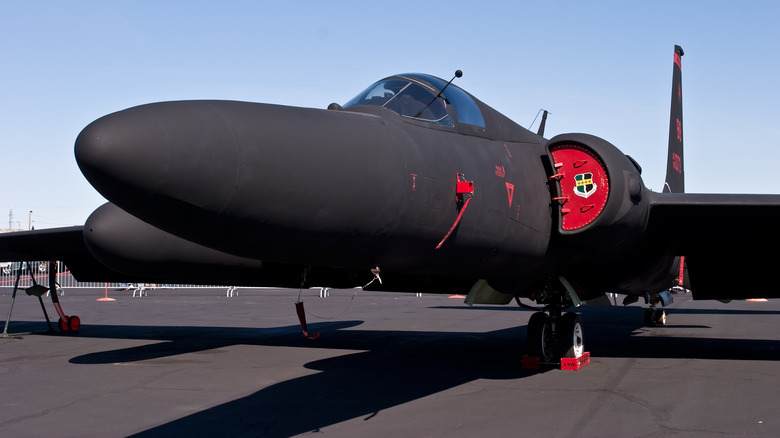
<point x="584" y="185"/>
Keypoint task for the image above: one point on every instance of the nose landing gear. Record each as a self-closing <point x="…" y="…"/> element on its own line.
<point x="552" y="336"/>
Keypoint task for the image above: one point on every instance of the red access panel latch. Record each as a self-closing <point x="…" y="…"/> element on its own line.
<point x="464" y="187"/>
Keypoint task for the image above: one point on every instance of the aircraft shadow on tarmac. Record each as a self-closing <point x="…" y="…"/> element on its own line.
<point x="391" y="367"/>
<point x="596" y="310"/>
<point x="611" y="332"/>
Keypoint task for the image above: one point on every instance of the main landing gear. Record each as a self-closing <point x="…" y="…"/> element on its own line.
<point x="654" y="316"/>
<point x="552" y="335"/>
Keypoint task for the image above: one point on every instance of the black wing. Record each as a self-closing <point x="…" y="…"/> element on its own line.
<point x="727" y="240"/>
<point x="63" y="244"/>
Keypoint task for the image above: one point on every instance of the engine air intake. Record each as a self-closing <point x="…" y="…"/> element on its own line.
<point x="584" y="185"/>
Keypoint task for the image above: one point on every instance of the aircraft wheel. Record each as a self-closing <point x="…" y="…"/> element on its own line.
<point x="659" y="317"/>
<point x="654" y="317"/>
<point x="63" y="325"/>
<point x="537" y="341"/>
<point x="74" y="323"/>
<point x="649" y="318"/>
<point x="570" y="333"/>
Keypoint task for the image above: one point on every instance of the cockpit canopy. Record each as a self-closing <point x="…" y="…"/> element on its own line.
<point x="415" y="96"/>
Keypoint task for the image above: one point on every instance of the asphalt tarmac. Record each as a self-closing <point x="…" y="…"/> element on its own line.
<point x="197" y="363"/>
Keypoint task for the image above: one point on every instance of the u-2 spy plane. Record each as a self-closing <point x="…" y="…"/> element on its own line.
<point x="413" y="185"/>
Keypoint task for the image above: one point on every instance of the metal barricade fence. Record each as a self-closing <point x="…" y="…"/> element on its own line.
<point x="9" y="271"/>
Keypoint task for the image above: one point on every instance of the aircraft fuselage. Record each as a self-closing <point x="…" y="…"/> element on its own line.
<point x="322" y="187"/>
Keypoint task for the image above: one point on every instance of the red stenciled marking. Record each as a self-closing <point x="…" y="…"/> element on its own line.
<point x="500" y="172"/>
<point x="580" y="163"/>
<point x="677" y="61"/>
<point x="681" y="278"/>
<point x="679" y="130"/>
<point x="414" y="181"/>
<point x="679" y="93"/>
<point x="677" y="163"/>
<point x="509" y="154"/>
<point x="510" y="191"/>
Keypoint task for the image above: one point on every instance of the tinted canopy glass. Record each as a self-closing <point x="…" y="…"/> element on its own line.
<point x="466" y="110"/>
<point x="407" y="98"/>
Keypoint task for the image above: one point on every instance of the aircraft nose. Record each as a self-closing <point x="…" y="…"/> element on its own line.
<point x="248" y="178"/>
<point x="161" y="150"/>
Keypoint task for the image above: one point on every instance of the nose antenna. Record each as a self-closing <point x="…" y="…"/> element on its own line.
<point x="458" y="74"/>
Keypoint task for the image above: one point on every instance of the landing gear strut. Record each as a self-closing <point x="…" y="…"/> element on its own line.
<point x="654" y="316"/>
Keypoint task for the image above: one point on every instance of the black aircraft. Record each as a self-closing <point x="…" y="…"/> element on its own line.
<point x="413" y="185"/>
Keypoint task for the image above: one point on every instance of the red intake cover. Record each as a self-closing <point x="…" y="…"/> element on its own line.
<point x="583" y="182"/>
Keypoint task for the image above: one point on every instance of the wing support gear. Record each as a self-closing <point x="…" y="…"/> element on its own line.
<point x="301" y="312"/>
<point x="5" y="334"/>
<point x="67" y="324"/>
<point x="302" y="318"/>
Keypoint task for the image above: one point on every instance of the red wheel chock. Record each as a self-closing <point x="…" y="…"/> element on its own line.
<point x="575" y="363"/>
<point x="567" y="363"/>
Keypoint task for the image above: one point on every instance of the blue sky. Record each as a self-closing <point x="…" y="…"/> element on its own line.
<point x="603" y="68"/>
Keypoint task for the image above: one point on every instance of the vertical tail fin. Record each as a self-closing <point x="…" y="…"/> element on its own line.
<point x="675" y="180"/>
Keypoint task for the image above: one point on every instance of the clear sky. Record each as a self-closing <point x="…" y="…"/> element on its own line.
<point x="599" y="67"/>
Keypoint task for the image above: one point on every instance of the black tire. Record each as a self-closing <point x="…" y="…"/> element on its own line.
<point x="649" y="320"/>
<point x="659" y="317"/>
<point x="536" y="337"/>
<point x="655" y="317"/>
<point x="570" y="336"/>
